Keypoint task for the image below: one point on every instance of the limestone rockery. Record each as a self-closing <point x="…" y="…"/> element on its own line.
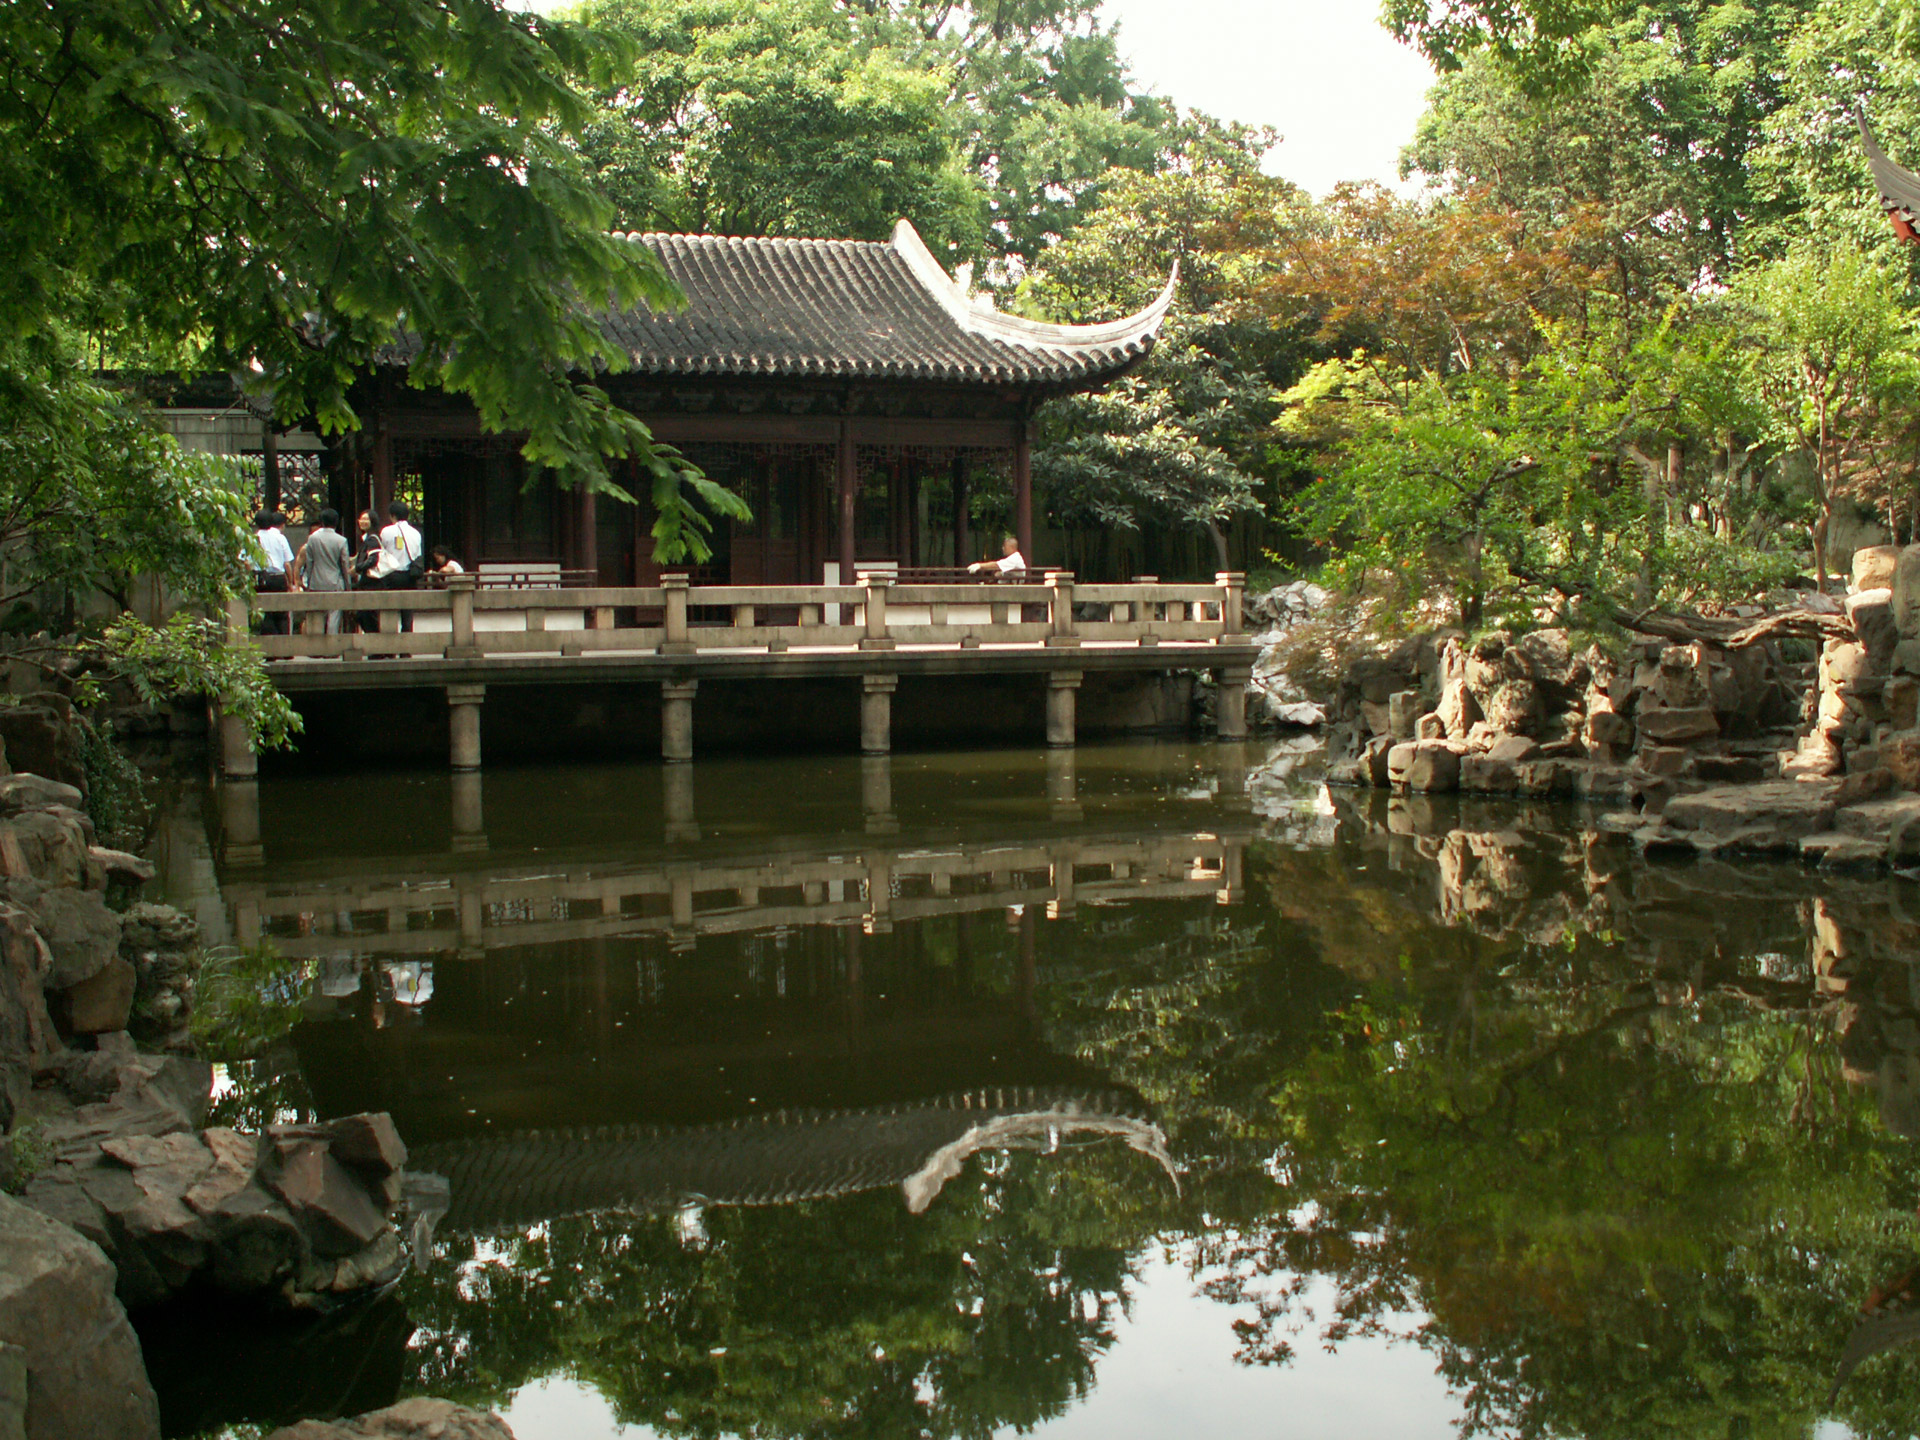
<point x="121" y="1195"/>
<point x="1709" y="747"/>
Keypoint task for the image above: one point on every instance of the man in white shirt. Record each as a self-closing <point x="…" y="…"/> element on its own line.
<point x="1011" y="561"/>
<point x="393" y="568"/>
<point x="272" y="561"/>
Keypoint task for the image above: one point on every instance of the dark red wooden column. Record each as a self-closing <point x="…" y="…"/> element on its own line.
<point x="586" y="551"/>
<point x="1023" y="491"/>
<point x="382" y="475"/>
<point x="846" y="481"/>
<point x="962" y="543"/>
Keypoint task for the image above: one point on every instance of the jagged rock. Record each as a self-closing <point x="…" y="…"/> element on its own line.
<point x="1608" y="727"/>
<point x="1424" y="766"/>
<point x="102" y="1002"/>
<point x="27" y="1037"/>
<point x="1773" y="816"/>
<point x="1513" y="708"/>
<point x="46" y="846"/>
<point x="1542" y="778"/>
<point x="1374" y="759"/>
<point x="415" y="1419"/>
<point x="1666" y="725"/>
<point x="368" y="1142"/>
<point x="1900" y="753"/>
<point x="1834" y="850"/>
<point x="42" y="738"/>
<point x="1403" y="711"/>
<point x="330" y="1203"/>
<point x="1877" y="818"/>
<point x="1906" y="592"/>
<point x="1872" y="614"/>
<point x="1843" y="662"/>
<point x="82" y="934"/>
<point x="57" y="1305"/>
<point x="1513" y="749"/>
<point x="1667" y="760"/>
<point x="1874" y="567"/>
<point x="1679" y="679"/>
<point x="1481" y="774"/>
<point x="1301" y="713"/>
<point x="1603" y="782"/>
<point x="1429" y="727"/>
<point x="30" y="791"/>
<point x="1903" y="842"/>
<point x="179" y="1207"/>
<point x="1900" y="701"/>
<point x="120" y="867"/>
<point x="1458" y="710"/>
<point x="148" y="926"/>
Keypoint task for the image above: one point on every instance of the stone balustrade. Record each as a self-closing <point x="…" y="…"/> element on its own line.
<point x="466" y="638"/>
<point x="462" y="621"/>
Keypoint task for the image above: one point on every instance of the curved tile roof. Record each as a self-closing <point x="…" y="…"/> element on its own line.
<point x="857" y="310"/>
<point x="1899" y="187"/>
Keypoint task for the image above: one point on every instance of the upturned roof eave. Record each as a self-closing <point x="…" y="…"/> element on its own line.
<point x="1899" y="187"/>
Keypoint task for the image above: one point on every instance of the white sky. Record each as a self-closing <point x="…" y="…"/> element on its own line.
<point x="1343" y="95"/>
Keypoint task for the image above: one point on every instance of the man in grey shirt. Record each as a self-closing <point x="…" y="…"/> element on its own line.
<point x="325" y="562"/>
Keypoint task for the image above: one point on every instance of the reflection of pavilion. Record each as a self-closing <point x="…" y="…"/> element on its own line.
<point x="513" y="1181"/>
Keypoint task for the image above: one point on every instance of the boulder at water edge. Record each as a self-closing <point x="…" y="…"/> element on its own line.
<point x="57" y="1307"/>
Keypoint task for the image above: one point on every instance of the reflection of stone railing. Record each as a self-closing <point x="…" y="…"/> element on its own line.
<point x="472" y="910"/>
<point x="512" y="1181"/>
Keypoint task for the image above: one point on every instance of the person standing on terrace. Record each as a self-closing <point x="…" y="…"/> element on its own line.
<point x="401" y="562"/>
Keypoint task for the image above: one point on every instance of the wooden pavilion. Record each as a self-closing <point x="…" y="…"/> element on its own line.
<point x="853" y="393"/>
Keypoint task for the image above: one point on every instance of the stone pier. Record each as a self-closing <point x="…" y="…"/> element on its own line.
<point x="463" y="725"/>
<point x="676" y="719"/>
<point x="876" y="712"/>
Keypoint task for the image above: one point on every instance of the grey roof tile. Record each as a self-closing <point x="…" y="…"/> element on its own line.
<point x="858" y="310"/>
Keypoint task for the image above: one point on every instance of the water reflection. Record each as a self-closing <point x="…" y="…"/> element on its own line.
<point x="886" y="1096"/>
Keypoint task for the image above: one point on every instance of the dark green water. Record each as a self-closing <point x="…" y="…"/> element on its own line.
<point x="1143" y="1091"/>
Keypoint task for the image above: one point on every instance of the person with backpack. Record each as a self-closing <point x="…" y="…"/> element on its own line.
<point x="401" y="561"/>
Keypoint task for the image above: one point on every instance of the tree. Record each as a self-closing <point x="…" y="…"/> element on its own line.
<point x="288" y="191"/>
<point x="1829" y="341"/>
<point x="1657" y="133"/>
<point x="1183" y="440"/>
<point x="736" y="118"/>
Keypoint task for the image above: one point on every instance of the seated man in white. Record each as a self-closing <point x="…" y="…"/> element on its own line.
<point x="1011" y="561"/>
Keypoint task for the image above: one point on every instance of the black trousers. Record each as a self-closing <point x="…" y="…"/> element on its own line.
<point x="267" y="582"/>
<point x="402" y="580"/>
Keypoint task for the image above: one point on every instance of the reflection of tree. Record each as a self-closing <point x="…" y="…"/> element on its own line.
<point x="1579" y="1132"/>
<point x="824" y="1318"/>
<point x="1619" y="1216"/>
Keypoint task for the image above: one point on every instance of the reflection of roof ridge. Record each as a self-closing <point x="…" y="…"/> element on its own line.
<point x="782" y="1156"/>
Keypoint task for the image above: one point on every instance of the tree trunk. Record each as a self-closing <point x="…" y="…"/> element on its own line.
<point x="1817" y="532"/>
<point x="1219" y="544"/>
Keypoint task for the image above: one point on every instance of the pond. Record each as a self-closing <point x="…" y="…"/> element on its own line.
<point x="1137" y="1090"/>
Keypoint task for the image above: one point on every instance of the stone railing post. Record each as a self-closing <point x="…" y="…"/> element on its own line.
<point x="875" y="605"/>
<point x="460" y="645"/>
<point x="237" y="759"/>
<point x="1233" y="590"/>
<point x="677" y="641"/>
<point x="1061" y="634"/>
